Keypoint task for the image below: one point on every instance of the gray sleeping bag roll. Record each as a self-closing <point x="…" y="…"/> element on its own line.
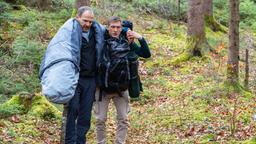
<point x="59" y="70"/>
<point x="59" y="82"/>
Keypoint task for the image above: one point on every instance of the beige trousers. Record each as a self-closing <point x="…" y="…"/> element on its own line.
<point x="122" y="109"/>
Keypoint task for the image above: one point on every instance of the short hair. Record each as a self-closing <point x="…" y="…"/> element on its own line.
<point x="114" y="19"/>
<point x="83" y="9"/>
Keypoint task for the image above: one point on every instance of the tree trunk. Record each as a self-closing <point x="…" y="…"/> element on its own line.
<point x="209" y="19"/>
<point x="195" y="19"/>
<point x="80" y="3"/>
<point x="196" y="43"/>
<point x="63" y="124"/>
<point x="246" y="79"/>
<point x="233" y="50"/>
<point x="208" y="8"/>
<point x="178" y="5"/>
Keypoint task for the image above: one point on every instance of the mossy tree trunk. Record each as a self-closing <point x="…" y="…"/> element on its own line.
<point x="196" y="43"/>
<point x="196" y="40"/>
<point x="209" y="18"/>
<point x="233" y="50"/>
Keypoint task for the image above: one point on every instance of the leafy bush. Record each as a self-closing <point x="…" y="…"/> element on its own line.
<point x="109" y="8"/>
<point x="164" y="8"/>
<point x="40" y="4"/>
<point x="9" y="110"/>
<point x="27" y="52"/>
<point x="4" y="7"/>
<point x="28" y="48"/>
<point x="247" y="13"/>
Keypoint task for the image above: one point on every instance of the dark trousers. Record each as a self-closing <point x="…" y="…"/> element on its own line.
<point x="79" y="111"/>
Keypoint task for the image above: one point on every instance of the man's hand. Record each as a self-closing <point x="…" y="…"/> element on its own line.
<point x="129" y="37"/>
<point x="133" y="35"/>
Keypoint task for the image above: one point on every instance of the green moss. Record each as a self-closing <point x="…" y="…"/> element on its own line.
<point x="16" y="105"/>
<point x="250" y="141"/>
<point x="183" y="57"/>
<point x="207" y="139"/>
<point x="74" y="11"/>
<point x="8" y="110"/>
<point x="195" y="46"/>
<point x="41" y="107"/>
<point x="37" y="106"/>
<point x="214" y="25"/>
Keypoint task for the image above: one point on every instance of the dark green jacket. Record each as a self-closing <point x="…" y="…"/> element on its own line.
<point x="140" y="51"/>
<point x="137" y="51"/>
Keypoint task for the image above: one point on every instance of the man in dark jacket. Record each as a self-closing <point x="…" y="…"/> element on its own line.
<point x="80" y="106"/>
<point x="120" y="99"/>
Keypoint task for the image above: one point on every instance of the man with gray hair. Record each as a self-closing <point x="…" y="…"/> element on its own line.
<point x="80" y="106"/>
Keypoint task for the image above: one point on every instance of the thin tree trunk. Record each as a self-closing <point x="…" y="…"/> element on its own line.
<point x="178" y="5"/>
<point x="246" y="80"/>
<point x="63" y="124"/>
<point x="80" y="3"/>
<point x="233" y="50"/>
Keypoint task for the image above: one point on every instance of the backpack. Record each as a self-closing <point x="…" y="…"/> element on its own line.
<point x="135" y="85"/>
<point x="114" y="68"/>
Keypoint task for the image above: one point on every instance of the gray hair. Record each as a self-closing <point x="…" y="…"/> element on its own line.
<point x="83" y="9"/>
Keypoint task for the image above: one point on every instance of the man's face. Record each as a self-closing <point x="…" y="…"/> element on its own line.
<point x="115" y="29"/>
<point x="85" y="20"/>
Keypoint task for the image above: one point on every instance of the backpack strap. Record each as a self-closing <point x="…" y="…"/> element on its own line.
<point x="107" y="74"/>
<point x="128" y="69"/>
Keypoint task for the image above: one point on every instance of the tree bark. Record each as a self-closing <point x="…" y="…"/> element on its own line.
<point x="208" y="7"/>
<point x="233" y="50"/>
<point x="178" y="5"/>
<point x="80" y="3"/>
<point x="63" y="124"/>
<point x="246" y="80"/>
<point x="209" y="18"/>
<point x="195" y="18"/>
<point x="196" y="43"/>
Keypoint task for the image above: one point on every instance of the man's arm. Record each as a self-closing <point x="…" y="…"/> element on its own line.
<point x="143" y="49"/>
<point x="99" y="37"/>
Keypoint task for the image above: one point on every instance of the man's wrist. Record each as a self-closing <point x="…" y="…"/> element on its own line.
<point x="140" y="37"/>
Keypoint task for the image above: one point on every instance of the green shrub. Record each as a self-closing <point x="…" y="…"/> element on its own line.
<point x="247" y="13"/>
<point x="9" y="110"/>
<point x="164" y="8"/>
<point x="27" y="52"/>
<point x="109" y="8"/>
<point x="4" y="7"/>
